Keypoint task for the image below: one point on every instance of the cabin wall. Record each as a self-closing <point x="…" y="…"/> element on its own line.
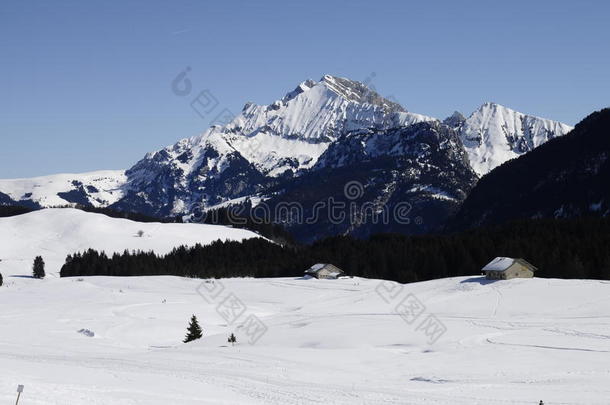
<point x="494" y="275"/>
<point x="324" y="273"/>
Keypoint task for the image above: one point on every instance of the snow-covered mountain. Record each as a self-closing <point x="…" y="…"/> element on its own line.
<point x="494" y="134"/>
<point x="293" y="132"/>
<point x="266" y="149"/>
<point x="259" y="147"/>
<point x="567" y="177"/>
<point x="406" y="179"/>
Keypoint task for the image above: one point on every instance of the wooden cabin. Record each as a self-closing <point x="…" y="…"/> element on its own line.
<point x="324" y="270"/>
<point x="504" y="268"/>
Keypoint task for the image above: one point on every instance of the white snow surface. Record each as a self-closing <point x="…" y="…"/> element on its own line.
<point x="328" y="342"/>
<point x="44" y="189"/>
<point x="494" y="134"/>
<point x="54" y="233"/>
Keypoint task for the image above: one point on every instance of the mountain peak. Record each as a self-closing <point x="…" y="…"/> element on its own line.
<point x="493" y="106"/>
<point x="455" y="120"/>
<point x="494" y="134"/>
<point x="356" y="91"/>
<point x="350" y="90"/>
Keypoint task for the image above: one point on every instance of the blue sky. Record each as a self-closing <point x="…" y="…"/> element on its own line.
<point x="87" y="86"/>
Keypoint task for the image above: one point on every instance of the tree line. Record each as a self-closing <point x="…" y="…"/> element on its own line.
<point x="563" y="248"/>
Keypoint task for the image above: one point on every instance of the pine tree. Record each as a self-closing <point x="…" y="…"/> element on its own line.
<point x="0" y="279"/>
<point x="232" y="339"/>
<point x="38" y="268"/>
<point x="194" y="330"/>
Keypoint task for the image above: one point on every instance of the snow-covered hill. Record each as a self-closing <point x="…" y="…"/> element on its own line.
<point x="98" y="189"/>
<point x="494" y="134"/>
<point x="327" y="342"/>
<point x="56" y="232"/>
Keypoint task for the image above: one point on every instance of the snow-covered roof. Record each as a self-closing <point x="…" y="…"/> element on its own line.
<point x="334" y="270"/>
<point x="503" y="263"/>
<point x="499" y="264"/>
<point x="316" y="267"/>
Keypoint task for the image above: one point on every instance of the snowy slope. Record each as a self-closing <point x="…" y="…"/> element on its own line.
<point x="55" y="233"/>
<point x="293" y="132"/>
<point x="494" y="134"/>
<point x="99" y="188"/>
<point x="328" y="342"/>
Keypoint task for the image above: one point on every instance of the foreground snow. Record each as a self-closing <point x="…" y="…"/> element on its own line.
<point x="328" y="342"/>
<point x="54" y="233"/>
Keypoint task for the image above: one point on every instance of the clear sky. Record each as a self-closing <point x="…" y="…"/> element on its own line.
<point x="87" y="85"/>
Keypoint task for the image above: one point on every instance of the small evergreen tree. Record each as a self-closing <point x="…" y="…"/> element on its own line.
<point x="38" y="268"/>
<point x="0" y="279"/>
<point x="232" y="339"/>
<point x="193" y="331"/>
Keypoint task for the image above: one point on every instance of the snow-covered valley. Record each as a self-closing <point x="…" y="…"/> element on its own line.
<point x="328" y="341"/>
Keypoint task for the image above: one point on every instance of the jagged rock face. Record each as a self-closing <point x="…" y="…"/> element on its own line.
<point x="293" y="132"/>
<point x="455" y="120"/>
<point x="566" y="177"/>
<point x="494" y="134"/>
<point x="175" y="179"/>
<point x="407" y="179"/>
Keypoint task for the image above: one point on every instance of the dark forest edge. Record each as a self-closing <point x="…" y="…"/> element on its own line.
<point x="13" y="210"/>
<point x="560" y="248"/>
